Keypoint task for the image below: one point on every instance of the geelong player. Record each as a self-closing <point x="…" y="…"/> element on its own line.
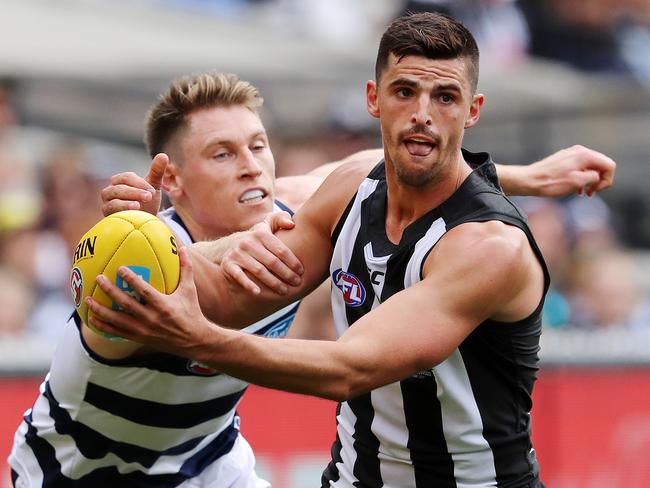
<point x="124" y="414"/>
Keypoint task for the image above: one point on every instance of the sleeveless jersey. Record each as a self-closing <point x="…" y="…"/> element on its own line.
<point x="464" y="422"/>
<point x="148" y="421"/>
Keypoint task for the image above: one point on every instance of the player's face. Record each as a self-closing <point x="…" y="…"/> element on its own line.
<point x="424" y="106"/>
<point x="225" y="172"/>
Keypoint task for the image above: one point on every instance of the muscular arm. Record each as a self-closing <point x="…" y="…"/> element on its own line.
<point x="374" y="352"/>
<point x="576" y="169"/>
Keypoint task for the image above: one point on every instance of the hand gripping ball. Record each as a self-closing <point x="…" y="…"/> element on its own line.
<point x="130" y="238"/>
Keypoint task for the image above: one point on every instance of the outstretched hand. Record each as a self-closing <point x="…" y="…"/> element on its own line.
<point x="258" y="253"/>
<point x="576" y="169"/>
<point x="128" y="191"/>
<point x="172" y="323"/>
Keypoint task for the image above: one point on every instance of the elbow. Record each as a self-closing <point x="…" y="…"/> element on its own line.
<point x="343" y="393"/>
<point x="351" y="384"/>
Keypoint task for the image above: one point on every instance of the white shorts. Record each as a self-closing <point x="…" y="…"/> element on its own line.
<point x="233" y="470"/>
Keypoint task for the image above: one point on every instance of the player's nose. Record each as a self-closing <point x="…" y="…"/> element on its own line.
<point x="421" y="112"/>
<point x="249" y="165"/>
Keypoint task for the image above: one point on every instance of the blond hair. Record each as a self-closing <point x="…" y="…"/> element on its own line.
<point x="188" y="94"/>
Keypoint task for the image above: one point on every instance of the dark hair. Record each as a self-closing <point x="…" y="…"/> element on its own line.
<point x="432" y="35"/>
<point x="189" y="94"/>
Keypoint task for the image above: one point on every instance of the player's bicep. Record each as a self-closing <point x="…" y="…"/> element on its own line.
<point x="414" y="330"/>
<point x="419" y="327"/>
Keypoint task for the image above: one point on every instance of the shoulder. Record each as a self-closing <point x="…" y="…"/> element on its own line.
<point x="329" y="201"/>
<point x="490" y="256"/>
<point x="342" y="183"/>
<point x="294" y="191"/>
<point x="493" y="263"/>
<point x="485" y="243"/>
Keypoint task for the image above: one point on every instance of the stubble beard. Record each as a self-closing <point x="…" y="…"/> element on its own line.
<point x="419" y="177"/>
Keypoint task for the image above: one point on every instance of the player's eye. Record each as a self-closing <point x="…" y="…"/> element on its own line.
<point x="404" y="92"/>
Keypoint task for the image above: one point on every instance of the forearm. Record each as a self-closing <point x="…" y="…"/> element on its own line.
<point x="517" y="179"/>
<point x="576" y="169"/>
<point x="226" y="303"/>
<point x="318" y="368"/>
<point x="214" y="251"/>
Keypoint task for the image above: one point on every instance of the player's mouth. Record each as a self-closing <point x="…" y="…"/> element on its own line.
<point x="419" y="146"/>
<point x="253" y="196"/>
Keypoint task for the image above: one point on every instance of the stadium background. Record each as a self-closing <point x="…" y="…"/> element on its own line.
<point x="77" y="76"/>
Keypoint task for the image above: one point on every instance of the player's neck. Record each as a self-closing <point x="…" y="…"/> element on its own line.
<point x="197" y="231"/>
<point x="407" y="203"/>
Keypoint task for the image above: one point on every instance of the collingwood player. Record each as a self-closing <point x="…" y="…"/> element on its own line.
<point x="437" y="290"/>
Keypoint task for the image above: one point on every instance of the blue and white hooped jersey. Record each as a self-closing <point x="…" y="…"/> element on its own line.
<point x="154" y="420"/>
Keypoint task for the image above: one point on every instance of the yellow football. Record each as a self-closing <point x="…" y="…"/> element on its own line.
<point x="130" y="238"/>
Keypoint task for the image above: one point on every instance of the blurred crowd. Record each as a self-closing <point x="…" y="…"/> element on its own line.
<point x="605" y="36"/>
<point x="596" y="282"/>
<point x="48" y="199"/>
<point x="592" y="35"/>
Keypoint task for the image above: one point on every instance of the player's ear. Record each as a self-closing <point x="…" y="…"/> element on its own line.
<point x="371" y="98"/>
<point x="474" y="110"/>
<point x="172" y="181"/>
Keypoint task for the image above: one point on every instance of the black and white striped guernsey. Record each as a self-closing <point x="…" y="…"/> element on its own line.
<point x="464" y="423"/>
<point x="150" y="421"/>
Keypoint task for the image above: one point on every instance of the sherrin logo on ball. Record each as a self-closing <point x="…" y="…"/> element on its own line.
<point x="130" y="238"/>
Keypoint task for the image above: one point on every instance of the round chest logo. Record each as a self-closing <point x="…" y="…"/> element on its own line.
<point x="354" y="293"/>
<point x="76" y="286"/>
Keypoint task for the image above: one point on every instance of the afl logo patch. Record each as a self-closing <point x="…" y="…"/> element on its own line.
<point x="76" y="286"/>
<point x="201" y="369"/>
<point x="354" y="294"/>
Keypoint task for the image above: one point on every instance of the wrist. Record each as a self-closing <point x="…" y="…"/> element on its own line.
<point x="529" y="181"/>
<point x="210" y="250"/>
<point x="208" y="345"/>
<point x="518" y="179"/>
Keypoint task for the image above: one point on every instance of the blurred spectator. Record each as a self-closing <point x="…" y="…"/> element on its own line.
<point x="498" y="26"/>
<point x="71" y="207"/>
<point x="41" y="251"/>
<point x="301" y="154"/>
<point x="594" y="281"/>
<point x="7" y="112"/>
<point x="71" y="195"/>
<point x="590" y="224"/>
<point x="336" y="21"/>
<point x="605" y="292"/>
<point x="592" y="35"/>
<point x="547" y="219"/>
<point x="20" y="199"/>
<point x="16" y="299"/>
